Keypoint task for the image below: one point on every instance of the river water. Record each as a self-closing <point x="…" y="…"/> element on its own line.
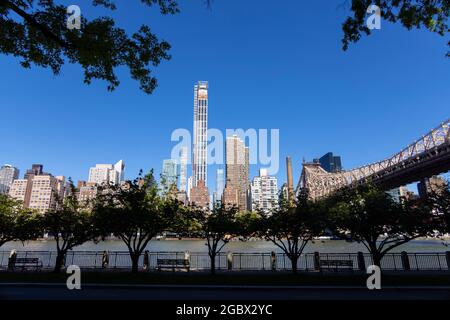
<point x="256" y="246"/>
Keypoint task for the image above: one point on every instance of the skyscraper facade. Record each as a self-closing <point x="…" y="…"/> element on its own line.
<point x="183" y="169"/>
<point x="47" y="192"/>
<point x="430" y="185"/>
<point x="199" y="163"/>
<point x="107" y="173"/>
<point x="119" y="168"/>
<point x="40" y="190"/>
<point x="220" y="185"/>
<point x="237" y="172"/>
<point x="330" y="163"/>
<point x="264" y="192"/>
<point x="189" y="187"/>
<point x="200" y="195"/>
<point x="170" y="173"/>
<point x="20" y="190"/>
<point x="8" y="174"/>
<point x="36" y="170"/>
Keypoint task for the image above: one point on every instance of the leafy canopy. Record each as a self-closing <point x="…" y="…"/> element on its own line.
<point x="412" y="14"/>
<point x="16" y="223"/>
<point x="36" y="32"/>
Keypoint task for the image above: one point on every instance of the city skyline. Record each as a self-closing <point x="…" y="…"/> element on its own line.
<point x="304" y="94"/>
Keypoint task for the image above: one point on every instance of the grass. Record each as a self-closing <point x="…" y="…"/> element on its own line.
<point x="229" y="278"/>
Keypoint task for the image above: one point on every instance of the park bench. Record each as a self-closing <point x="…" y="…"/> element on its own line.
<point x="26" y="263"/>
<point x="336" y="265"/>
<point x="173" y="264"/>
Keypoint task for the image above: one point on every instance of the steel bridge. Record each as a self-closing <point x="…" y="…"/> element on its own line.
<point x="428" y="156"/>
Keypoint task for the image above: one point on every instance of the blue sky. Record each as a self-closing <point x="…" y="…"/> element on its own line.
<point x="268" y="66"/>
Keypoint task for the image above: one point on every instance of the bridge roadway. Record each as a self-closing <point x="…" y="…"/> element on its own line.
<point x="429" y="163"/>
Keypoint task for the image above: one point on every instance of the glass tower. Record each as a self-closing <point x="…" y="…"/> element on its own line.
<point x="200" y="132"/>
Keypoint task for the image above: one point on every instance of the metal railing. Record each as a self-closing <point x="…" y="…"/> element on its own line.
<point x="241" y="261"/>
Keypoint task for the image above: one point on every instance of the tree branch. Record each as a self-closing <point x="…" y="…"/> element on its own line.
<point x="33" y="22"/>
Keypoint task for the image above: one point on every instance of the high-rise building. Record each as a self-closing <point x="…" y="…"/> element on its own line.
<point x="119" y="167"/>
<point x="330" y="163"/>
<point x="183" y="169"/>
<point x="107" y="173"/>
<point x="199" y="164"/>
<point x="21" y="190"/>
<point x="42" y="192"/>
<point x="169" y="174"/>
<point x="200" y="195"/>
<point x="220" y="185"/>
<point x="36" y="170"/>
<point x="86" y="191"/>
<point x="285" y="191"/>
<point x="47" y="192"/>
<point x="429" y="185"/>
<point x="264" y="192"/>
<point x="398" y="193"/>
<point x="190" y="184"/>
<point x="237" y="172"/>
<point x="8" y="174"/>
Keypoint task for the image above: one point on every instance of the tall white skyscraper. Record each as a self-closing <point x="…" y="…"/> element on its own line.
<point x="200" y="142"/>
<point x="183" y="169"/>
<point x="119" y="167"/>
<point x="107" y="173"/>
<point x="264" y="192"/>
<point x="189" y="187"/>
<point x="8" y="174"/>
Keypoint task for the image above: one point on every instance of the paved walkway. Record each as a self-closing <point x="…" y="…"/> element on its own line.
<point x="190" y="292"/>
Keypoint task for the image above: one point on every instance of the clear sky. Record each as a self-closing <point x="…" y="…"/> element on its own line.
<point x="269" y="64"/>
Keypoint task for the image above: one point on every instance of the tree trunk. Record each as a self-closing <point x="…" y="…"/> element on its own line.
<point x="59" y="261"/>
<point x="294" y="260"/>
<point x="134" y="262"/>
<point x="376" y="256"/>
<point x="213" y="263"/>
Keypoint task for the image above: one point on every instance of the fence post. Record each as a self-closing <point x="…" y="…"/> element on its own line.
<point x="405" y="261"/>
<point x="316" y="261"/>
<point x="447" y="257"/>
<point x="273" y="261"/>
<point x="361" y="262"/>
<point x="229" y="260"/>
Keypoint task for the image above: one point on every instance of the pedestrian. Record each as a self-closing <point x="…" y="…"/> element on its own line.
<point x="146" y="261"/>
<point x="105" y="259"/>
<point x="12" y="259"/>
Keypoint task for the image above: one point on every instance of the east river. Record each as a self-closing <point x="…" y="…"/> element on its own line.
<point x="255" y="246"/>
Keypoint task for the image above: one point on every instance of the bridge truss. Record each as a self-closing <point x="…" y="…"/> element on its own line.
<point x="426" y="156"/>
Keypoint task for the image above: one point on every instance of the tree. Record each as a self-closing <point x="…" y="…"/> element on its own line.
<point x="369" y="215"/>
<point x="218" y="227"/>
<point x="432" y="15"/>
<point x="16" y="223"/>
<point x="134" y="213"/>
<point x="291" y="227"/>
<point x="439" y="201"/>
<point x="70" y="225"/>
<point x="37" y="33"/>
